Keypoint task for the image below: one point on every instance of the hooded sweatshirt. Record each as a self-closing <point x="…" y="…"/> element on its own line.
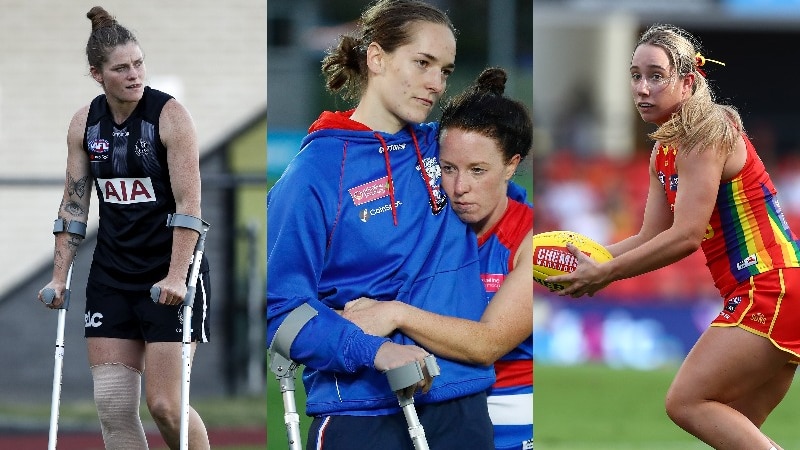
<point x="360" y="213"/>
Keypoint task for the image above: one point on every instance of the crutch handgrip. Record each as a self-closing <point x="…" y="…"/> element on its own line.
<point x="155" y="293"/>
<point x="406" y="376"/>
<point x="403" y="377"/>
<point x="49" y="294"/>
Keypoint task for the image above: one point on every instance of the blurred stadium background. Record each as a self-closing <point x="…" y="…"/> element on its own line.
<point x="212" y="57"/>
<point x="604" y="364"/>
<point x="496" y="33"/>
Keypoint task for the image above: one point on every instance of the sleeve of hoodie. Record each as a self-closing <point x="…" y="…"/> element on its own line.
<point x="299" y="217"/>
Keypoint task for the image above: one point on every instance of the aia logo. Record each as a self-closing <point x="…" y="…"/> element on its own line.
<point x="125" y="191"/>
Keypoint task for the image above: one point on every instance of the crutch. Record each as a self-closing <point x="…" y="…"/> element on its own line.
<point x="48" y="295"/>
<point x="290" y="416"/>
<point x="201" y="226"/>
<point x="400" y="379"/>
<point x="284" y="368"/>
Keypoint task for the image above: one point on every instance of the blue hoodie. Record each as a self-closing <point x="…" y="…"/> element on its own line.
<point x="354" y="216"/>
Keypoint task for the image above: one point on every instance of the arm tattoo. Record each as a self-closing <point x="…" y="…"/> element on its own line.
<point x="77" y="187"/>
<point x="74" y="241"/>
<point x="74" y="208"/>
<point x="59" y="259"/>
<point x="74" y="188"/>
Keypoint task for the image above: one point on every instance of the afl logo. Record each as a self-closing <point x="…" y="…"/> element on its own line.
<point x="142" y="147"/>
<point x="99" y="146"/>
<point x="363" y="215"/>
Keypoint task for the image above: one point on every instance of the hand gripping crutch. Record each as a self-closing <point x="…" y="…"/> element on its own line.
<point x="404" y="377"/>
<point x="201" y="226"/>
<point x="48" y="295"/>
<point x="284" y="368"/>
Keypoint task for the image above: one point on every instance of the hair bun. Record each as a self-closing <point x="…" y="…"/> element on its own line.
<point x="100" y="18"/>
<point x="492" y="80"/>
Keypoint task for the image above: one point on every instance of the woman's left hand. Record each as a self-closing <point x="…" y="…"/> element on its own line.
<point x="588" y="277"/>
<point x="373" y="316"/>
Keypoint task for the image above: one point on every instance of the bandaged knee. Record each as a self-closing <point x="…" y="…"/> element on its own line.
<point x="117" y="394"/>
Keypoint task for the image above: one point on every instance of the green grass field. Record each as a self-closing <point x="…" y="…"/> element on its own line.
<point x="591" y="408"/>
<point x="276" y="430"/>
<point x="217" y="413"/>
<point x="598" y="408"/>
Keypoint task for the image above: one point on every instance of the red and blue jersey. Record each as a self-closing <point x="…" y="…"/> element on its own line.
<point x="747" y="232"/>
<point x="511" y="397"/>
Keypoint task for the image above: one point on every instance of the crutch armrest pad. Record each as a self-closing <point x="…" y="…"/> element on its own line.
<point x="279" y="349"/>
<point x="187" y="221"/>
<point x="75" y="227"/>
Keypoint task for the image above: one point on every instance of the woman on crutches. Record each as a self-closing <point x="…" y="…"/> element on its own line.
<point x="139" y="147"/>
<point x="359" y="212"/>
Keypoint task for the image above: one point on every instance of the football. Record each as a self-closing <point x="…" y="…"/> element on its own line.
<point x="551" y="257"/>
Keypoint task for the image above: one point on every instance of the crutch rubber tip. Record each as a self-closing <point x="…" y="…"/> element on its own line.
<point x="155" y="293"/>
<point x="48" y="295"/>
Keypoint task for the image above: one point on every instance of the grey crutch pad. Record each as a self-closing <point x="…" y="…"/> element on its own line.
<point x="187" y="221"/>
<point x="280" y="360"/>
<point x="410" y="374"/>
<point x="48" y="295"/>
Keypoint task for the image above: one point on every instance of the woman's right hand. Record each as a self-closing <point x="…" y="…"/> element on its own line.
<point x="391" y="356"/>
<point x="57" y="290"/>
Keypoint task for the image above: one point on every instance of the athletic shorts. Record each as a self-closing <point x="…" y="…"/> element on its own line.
<point x="510" y="402"/>
<point x="769" y="306"/>
<point x="131" y="314"/>
<point x="453" y="425"/>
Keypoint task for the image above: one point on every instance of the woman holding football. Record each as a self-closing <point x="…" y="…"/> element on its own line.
<point x="743" y="364"/>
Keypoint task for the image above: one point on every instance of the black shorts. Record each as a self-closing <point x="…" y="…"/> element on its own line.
<point x="126" y="314"/>
<point x="453" y="425"/>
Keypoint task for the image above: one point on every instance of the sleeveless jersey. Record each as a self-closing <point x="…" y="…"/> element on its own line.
<point x="747" y="233"/>
<point x="129" y="165"/>
<point x="511" y="397"/>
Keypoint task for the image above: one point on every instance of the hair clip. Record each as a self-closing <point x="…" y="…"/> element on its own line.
<point x="700" y="60"/>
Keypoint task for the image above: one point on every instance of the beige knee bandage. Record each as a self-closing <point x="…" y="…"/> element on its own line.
<point x="117" y="394"/>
